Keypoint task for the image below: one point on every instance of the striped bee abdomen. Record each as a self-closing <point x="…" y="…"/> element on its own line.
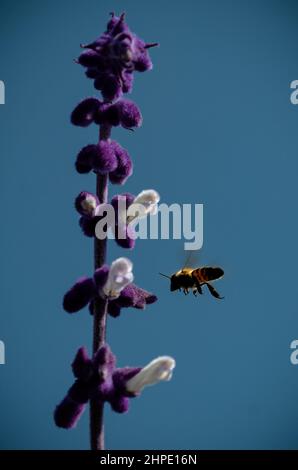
<point x="207" y="273"/>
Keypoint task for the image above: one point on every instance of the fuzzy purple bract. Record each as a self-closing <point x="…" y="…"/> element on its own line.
<point x="110" y="61"/>
<point x="106" y="157"/>
<point x="112" y="58"/>
<point x="98" y="379"/>
<point x="87" y="289"/>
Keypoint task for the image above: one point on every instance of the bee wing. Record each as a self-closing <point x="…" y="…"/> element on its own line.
<point x="192" y="259"/>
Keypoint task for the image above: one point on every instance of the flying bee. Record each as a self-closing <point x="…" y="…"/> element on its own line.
<point x="187" y="279"/>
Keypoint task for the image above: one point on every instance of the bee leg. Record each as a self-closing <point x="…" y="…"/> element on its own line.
<point x="186" y="291"/>
<point x="198" y="287"/>
<point x="195" y="291"/>
<point x="213" y="291"/>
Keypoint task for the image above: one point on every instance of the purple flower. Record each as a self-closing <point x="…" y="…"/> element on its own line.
<point x="131" y="296"/>
<point x="90" y="59"/>
<point x="88" y="225"/>
<point x="128" y="209"/>
<point x="105" y="157"/>
<point x="127" y="82"/>
<point x="99" y="157"/>
<point x="129" y="114"/>
<point x="84" y="112"/>
<point x="86" y="203"/>
<point x="125" y="166"/>
<point x="115" y="284"/>
<point x="84" y="161"/>
<point x="123" y="113"/>
<point x="99" y="379"/>
<point x="111" y="59"/>
<point x="69" y="411"/>
<point x="79" y="295"/>
<point x="109" y="86"/>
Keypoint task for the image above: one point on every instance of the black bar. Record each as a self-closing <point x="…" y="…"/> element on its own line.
<point x="148" y="457"/>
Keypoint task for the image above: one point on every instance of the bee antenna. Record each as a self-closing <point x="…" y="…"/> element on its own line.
<point x="165" y="275"/>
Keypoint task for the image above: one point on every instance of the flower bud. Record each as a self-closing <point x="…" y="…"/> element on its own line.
<point x="86" y="204"/>
<point x="104" y="158"/>
<point x="129" y="114"/>
<point x="127" y="82"/>
<point x="84" y="161"/>
<point x="89" y="58"/>
<point x="83" y="114"/>
<point x="124" y="168"/>
<point x="109" y="85"/>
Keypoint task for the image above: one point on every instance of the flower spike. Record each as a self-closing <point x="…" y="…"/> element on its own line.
<point x="110" y="61"/>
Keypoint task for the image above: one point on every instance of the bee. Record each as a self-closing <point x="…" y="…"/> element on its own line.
<point x="187" y="279"/>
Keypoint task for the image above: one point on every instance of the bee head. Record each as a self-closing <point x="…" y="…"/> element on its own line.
<point x="175" y="284"/>
<point x="174" y="281"/>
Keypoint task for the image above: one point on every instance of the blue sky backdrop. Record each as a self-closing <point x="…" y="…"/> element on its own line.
<point x="219" y="129"/>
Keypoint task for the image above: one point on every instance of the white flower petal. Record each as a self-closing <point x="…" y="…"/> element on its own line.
<point x="144" y="203"/>
<point x="120" y="275"/>
<point x="89" y="204"/>
<point x="160" y="369"/>
<point x="147" y="196"/>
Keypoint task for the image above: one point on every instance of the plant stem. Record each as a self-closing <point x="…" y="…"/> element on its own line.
<point x="99" y="311"/>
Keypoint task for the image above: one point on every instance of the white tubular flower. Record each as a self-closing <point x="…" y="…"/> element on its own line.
<point x="156" y="371"/>
<point x="144" y="203"/>
<point x="120" y="275"/>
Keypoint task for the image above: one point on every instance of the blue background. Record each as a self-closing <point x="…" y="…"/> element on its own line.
<point x="218" y="129"/>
